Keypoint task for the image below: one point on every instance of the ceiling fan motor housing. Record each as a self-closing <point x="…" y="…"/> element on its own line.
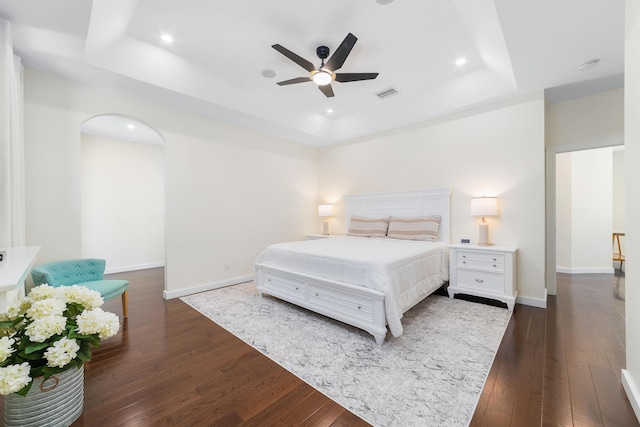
<point x="322" y="52"/>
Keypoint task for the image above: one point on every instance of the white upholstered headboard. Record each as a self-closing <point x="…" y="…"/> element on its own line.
<point x="402" y="203"/>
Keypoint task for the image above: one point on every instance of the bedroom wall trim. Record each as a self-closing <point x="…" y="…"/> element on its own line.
<point x="533" y="302"/>
<point x="126" y="268"/>
<point x="206" y="287"/>
<point x="632" y="392"/>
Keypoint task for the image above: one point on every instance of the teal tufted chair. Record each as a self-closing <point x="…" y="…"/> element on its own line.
<point x="88" y="272"/>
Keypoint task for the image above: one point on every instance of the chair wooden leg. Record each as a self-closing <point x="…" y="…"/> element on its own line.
<point x="125" y="304"/>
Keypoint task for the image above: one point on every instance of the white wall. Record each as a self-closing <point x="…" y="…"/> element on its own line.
<point x="619" y="194"/>
<point x="229" y="192"/>
<point x="592" y="210"/>
<point x="495" y="151"/>
<point x="584" y="211"/>
<point x="595" y="119"/>
<point x="631" y="376"/>
<point x="122" y="203"/>
<point x="563" y="212"/>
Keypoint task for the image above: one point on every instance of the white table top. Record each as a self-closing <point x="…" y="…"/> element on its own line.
<point x="16" y="265"/>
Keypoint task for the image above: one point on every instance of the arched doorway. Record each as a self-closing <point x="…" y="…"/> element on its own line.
<point x="122" y="193"/>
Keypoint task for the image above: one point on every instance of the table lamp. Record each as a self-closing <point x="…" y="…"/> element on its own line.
<point x="484" y="206"/>
<point x="325" y="211"/>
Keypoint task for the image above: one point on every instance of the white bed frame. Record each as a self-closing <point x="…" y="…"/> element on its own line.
<point x="355" y="305"/>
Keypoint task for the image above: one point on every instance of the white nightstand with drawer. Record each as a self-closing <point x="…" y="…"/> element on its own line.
<point x="483" y="271"/>
<point x="318" y="236"/>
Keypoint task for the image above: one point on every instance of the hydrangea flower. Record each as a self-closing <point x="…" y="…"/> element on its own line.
<point x="85" y="297"/>
<point x="98" y="322"/>
<point x="47" y="307"/>
<point x="43" y="328"/>
<point x="6" y="348"/>
<point x="62" y="352"/>
<point x="14" y="377"/>
<point x="41" y="292"/>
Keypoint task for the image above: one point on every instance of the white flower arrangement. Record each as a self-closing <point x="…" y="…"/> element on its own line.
<point x="50" y="331"/>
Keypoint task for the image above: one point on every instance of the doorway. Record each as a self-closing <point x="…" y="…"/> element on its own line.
<point x="122" y="193"/>
<point x="592" y="237"/>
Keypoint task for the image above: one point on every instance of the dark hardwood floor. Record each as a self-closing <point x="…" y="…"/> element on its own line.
<point x="562" y="366"/>
<point x="171" y="366"/>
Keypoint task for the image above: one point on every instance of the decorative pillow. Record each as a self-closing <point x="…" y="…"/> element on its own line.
<point x="416" y="228"/>
<point x="368" y="227"/>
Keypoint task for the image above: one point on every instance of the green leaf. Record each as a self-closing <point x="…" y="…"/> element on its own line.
<point x="33" y="347"/>
<point x="84" y="353"/>
<point x="24" y="390"/>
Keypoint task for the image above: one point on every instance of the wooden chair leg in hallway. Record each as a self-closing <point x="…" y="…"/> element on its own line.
<point x="615" y="241"/>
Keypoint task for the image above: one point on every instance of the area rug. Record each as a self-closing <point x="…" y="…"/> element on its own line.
<point x="432" y="375"/>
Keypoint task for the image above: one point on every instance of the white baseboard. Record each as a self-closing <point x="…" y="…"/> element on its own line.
<point x="570" y="270"/>
<point x="206" y="287"/>
<point x="534" y="302"/>
<point x="134" y="267"/>
<point x="632" y="392"/>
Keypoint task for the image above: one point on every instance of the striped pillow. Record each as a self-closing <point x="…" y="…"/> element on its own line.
<point x="368" y="227"/>
<point x="416" y="228"/>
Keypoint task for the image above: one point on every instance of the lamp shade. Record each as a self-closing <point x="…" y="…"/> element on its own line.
<point x="325" y="210"/>
<point x="484" y="206"/>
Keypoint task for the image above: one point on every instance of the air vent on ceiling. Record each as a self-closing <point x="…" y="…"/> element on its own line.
<point x="386" y="93"/>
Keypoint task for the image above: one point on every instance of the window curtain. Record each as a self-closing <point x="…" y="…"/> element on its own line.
<point x="12" y="198"/>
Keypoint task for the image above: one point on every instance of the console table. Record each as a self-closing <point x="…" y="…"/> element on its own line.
<point x="15" y="266"/>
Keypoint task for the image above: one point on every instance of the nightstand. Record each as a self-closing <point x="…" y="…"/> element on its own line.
<point x="318" y="236"/>
<point x="483" y="271"/>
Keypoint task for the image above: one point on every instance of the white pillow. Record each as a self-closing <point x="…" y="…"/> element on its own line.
<point x="416" y="228"/>
<point x="368" y="227"/>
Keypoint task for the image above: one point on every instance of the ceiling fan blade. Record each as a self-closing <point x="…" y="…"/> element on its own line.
<point x="295" y="58"/>
<point x="352" y="77"/>
<point x="296" y="80"/>
<point x="327" y="90"/>
<point x="337" y="59"/>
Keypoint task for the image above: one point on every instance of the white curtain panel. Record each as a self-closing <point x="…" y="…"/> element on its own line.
<point x="12" y="199"/>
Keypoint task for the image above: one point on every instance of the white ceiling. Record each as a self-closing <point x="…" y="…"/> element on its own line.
<point x="214" y="66"/>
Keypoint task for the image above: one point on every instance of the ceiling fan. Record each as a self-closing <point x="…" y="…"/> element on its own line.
<point x="326" y="73"/>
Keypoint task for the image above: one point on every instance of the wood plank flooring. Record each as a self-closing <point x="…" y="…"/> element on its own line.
<point x="171" y="366"/>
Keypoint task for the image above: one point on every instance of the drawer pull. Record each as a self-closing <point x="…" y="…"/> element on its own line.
<point x="494" y="266"/>
<point x="464" y="262"/>
<point x="268" y="280"/>
<point x="479" y="280"/>
<point x="464" y="256"/>
<point x="359" y="307"/>
<point x="495" y="259"/>
<point x="297" y="288"/>
<point x="317" y="294"/>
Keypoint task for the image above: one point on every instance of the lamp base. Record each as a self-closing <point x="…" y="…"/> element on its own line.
<point x="325" y="228"/>
<point x="483" y="235"/>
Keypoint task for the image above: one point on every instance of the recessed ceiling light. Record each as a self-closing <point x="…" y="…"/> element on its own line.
<point x="167" y="38"/>
<point x="329" y="110"/>
<point x="131" y="126"/>
<point x="461" y="61"/>
<point x="268" y="73"/>
<point x="588" y="65"/>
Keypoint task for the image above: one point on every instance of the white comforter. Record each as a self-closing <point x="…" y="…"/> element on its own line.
<point x="405" y="270"/>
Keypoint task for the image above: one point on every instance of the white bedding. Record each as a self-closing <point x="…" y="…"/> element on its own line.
<point x="405" y="270"/>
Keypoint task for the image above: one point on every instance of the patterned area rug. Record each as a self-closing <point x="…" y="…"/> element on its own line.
<point x="430" y="376"/>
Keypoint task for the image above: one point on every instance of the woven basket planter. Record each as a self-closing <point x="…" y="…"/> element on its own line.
<point x="55" y="402"/>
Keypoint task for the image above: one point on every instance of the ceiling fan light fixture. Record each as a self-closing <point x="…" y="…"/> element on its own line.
<point x="322" y="77"/>
<point x="588" y="65"/>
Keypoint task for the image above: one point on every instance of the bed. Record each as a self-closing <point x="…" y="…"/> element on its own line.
<point x="366" y="282"/>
